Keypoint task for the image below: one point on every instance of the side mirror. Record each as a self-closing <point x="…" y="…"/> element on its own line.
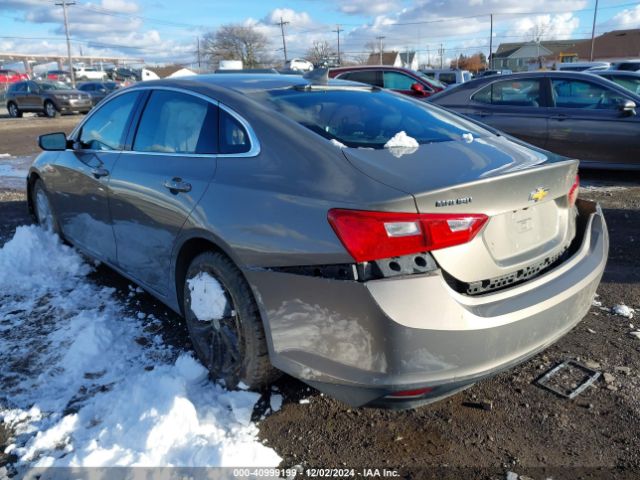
<point x="53" y="142"/>
<point x="418" y="89"/>
<point x="627" y="107"/>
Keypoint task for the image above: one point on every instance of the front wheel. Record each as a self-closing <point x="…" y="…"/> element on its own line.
<point x="14" y="111"/>
<point x="50" y="109"/>
<point x="42" y="208"/>
<point x="224" y="323"/>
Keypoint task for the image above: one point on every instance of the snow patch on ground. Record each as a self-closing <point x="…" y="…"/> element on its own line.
<point x="401" y="139"/>
<point x="14" y="170"/>
<point x="80" y="389"/>
<point x="207" y="297"/>
<point x="623" y="310"/>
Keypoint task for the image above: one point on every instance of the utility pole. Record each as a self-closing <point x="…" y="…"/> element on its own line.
<point x="282" y="23"/>
<point x="338" y="30"/>
<point x="428" y="57"/>
<point x="593" y="32"/>
<point x="64" y="5"/>
<point x="380" y="38"/>
<point x="198" y="53"/>
<point x="441" y="52"/>
<point x="491" y="43"/>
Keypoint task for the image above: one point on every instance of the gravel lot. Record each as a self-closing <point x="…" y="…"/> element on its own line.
<point x="525" y="430"/>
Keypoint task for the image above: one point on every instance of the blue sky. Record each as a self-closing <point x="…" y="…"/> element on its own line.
<point x="165" y="31"/>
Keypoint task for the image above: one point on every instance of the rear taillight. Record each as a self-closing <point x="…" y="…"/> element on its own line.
<point x="411" y="393"/>
<point x="573" y="192"/>
<point x="375" y="235"/>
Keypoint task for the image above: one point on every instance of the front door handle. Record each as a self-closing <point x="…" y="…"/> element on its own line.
<point x="99" y="172"/>
<point x="559" y="117"/>
<point x="176" y="185"/>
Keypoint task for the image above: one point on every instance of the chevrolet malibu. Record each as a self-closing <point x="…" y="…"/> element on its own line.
<point x="384" y="251"/>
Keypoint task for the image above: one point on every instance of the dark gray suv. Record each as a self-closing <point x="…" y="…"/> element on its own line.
<point x="49" y="98"/>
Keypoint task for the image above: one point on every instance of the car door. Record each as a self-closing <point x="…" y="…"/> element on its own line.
<point x="33" y="99"/>
<point x="515" y="106"/>
<point x="400" y="82"/>
<point x="79" y="187"/>
<point x="157" y="183"/>
<point x="20" y="94"/>
<point x="586" y="122"/>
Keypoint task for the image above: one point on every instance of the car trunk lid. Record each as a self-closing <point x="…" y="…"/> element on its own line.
<point x="522" y="190"/>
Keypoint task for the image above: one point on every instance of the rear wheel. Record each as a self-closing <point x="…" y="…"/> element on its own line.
<point x="224" y="323"/>
<point x="14" y="111"/>
<point x="50" y="109"/>
<point x="42" y="207"/>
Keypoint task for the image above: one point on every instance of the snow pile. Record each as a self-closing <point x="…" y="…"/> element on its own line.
<point x="402" y="140"/>
<point x="207" y="297"/>
<point x="623" y="310"/>
<point x="79" y="388"/>
<point x="467" y="137"/>
<point x="337" y="143"/>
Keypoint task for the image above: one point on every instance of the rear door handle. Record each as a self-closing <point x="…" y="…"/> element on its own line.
<point x="559" y="117"/>
<point x="177" y="185"/>
<point x="99" y="172"/>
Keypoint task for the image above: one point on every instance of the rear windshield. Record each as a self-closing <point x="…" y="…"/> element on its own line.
<point x="365" y="118"/>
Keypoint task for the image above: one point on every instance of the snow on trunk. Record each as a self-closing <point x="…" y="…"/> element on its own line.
<point x="78" y="387"/>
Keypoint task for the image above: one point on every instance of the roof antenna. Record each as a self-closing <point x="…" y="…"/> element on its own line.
<point x="318" y="76"/>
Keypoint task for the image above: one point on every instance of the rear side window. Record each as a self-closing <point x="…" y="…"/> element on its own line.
<point x="629" y="66"/>
<point x="174" y="122"/>
<point x="516" y="93"/>
<point x="448" y="78"/>
<point x="106" y="128"/>
<point x="233" y="136"/>
<point x="580" y="94"/>
<point x="18" y="87"/>
<point x="371" y="77"/>
<point x="397" y="81"/>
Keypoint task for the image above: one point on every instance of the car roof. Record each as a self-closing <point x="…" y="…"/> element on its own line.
<point x="372" y="67"/>
<point x="617" y="73"/>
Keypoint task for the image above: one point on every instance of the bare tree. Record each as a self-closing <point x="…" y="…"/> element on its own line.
<point x="320" y="52"/>
<point x="237" y="42"/>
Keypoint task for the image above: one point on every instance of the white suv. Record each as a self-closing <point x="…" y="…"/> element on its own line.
<point x="299" y="64"/>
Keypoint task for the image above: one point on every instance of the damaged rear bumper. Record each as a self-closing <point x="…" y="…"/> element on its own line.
<point x="361" y="342"/>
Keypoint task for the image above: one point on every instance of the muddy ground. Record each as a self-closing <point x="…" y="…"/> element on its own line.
<point x="526" y="430"/>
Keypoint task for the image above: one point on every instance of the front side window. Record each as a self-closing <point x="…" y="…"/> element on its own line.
<point x="397" y="81"/>
<point x="362" y="118"/>
<point x="581" y="94"/>
<point x="106" y="128"/>
<point x="630" y="83"/>
<point x="174" y="122"/>
<point x="515" y="93"/>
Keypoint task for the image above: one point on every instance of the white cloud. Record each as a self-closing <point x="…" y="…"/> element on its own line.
<point x="368" y="7"/>
<point x="628" y="18"/>
<point x="546" y="27"/>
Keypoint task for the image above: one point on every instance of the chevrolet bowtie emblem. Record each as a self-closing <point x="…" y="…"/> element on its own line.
<point x="538" y="194"/>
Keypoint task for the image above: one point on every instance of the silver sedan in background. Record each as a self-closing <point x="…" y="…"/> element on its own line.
<point x="382" y="250"/>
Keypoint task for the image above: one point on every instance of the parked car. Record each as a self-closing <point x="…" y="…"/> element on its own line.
<point x="582" y="66"/>
<point x="97" y="90"/>
<point x="121" y="74"/>
<point x="574" y="114"/>
<point x="401" y="80"/>
<point x="624" y="78"/>
<point x="57" y="76"/>
<point x="89" y="73"/>
<point x="11" y="76"/>
<point x="299" y="64"/>
<point x="628" y="65"/>
<point x="388" y="276"/>
<point x="488" y="73"/>
<point x="448" y="76"/>
<point x="49" y="98"/>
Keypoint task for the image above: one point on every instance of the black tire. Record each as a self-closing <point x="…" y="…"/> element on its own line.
<point x="50" y="109"/>
<point x="14" y="111"/>
<point x="236" y="350"/>
<point x="50" y="221"/>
